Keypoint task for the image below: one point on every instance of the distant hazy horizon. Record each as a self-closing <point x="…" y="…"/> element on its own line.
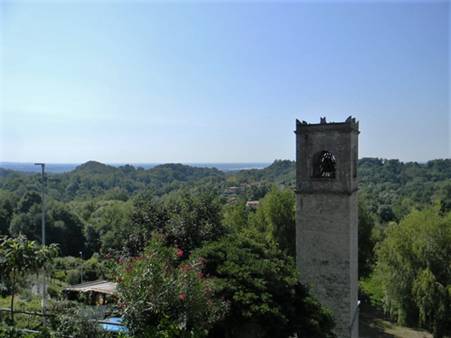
<point x="66" y="167"/>
<point x="221" y="82"/>
<point x="224" y="166"/>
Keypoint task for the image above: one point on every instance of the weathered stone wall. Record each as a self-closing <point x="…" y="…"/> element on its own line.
<point x="326" y="220"/>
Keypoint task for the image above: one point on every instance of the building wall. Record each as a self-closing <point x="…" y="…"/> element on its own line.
<point x="326" y="220"/>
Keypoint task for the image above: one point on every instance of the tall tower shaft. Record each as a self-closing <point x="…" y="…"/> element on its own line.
<point x="326" y="217"/>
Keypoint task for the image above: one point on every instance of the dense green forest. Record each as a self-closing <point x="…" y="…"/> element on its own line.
<point x="383" y="182"/>
<point x="117" y="214"/>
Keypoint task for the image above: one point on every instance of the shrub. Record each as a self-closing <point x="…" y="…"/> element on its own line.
<point x="93" y="269"/>
<point x="76" y="322"/>
<point x="162" y="296"/>
<point x="73" y="277"/>
<point x="261" y="284"/>
<point x="12" y="332"/>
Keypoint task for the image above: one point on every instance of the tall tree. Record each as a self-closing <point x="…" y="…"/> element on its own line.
<point x="194" y="219"/>
<point x="19" y="257"/>
<point x="62" y="226"/>
<point x="261" y="283"/>
<point x="276" y="216"/>
<point x="413" y="268"/>
<point x="7" y="206"/>
<point x="366" y="241"/>
<point x="165" y="296"/>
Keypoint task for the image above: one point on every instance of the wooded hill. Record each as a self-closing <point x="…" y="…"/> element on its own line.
<point x="382" y="182"/>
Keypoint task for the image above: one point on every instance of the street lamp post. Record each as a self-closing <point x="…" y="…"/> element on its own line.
<point x="44" y="291"/>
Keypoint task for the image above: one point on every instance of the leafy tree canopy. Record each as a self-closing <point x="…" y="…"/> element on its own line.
<point x="19" y="257"/>
<point x="413" y="269"/>
<point x="161" y="296"/>
<point x="261" y="285"/>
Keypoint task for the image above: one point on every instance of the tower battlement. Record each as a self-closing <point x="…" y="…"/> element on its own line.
<point x="350" y="124"/>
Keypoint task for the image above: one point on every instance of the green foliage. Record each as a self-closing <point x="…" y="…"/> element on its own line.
<point x="391" y="190"/>
<point x="7" y="206"/>
<point x="66" y="229"/>
<point x="235" y="216"/>
<point x="74" y="320"/>
<point x="187" y="220"/>
<point x="372" y="290"/>
<point x="27" y="223"/>
<point x="29" y="199"/>
<point x="280" y="172"/>
<point x="261" y="285"/>
<point x="108" y="225"/>
<point x="62" y="226"/>
<point x="193" y="220"/>
<point x="77" y="324"/>
<point x="73" y="277"/>
<point x="366" y="240"/>
<point x="96" y="180"/>
<point x="19" y="257"/>
<point x="432" y="300"/>
<point x="93" y="268"/>
<point x="163" y="297"/>
<point x="400" y="187"/>
<point x="12" y="332"/>
<point x="445" y="198"/>
<point x="69" y="269"/>
<point x="276" y="217"/>
<point x="413" y="268"/>
<point x="386" y="214"/>
<point x="149" y="214"/>
<point x="9" y="332"/>
<point x="116" y="210"/>
<point x="55" y="288"/>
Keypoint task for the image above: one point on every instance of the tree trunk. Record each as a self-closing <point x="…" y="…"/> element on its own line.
<point x="437" y="331"/>
<point x="13" y="291"/>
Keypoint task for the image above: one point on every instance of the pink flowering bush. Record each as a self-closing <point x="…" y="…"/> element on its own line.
<point x="179" y="253"/>
<point x="163" y="296"/>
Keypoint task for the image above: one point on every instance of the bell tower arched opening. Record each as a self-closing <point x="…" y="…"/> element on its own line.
<point x="324" y="165"/>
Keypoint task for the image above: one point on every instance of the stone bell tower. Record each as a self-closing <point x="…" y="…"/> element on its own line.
<point x="326" y="217"/>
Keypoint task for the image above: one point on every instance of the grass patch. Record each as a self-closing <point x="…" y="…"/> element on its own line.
<point x="373" y="324"/>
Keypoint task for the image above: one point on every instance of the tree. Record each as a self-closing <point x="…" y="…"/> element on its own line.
<point x="147" y="214"/>
<point x="276" y="216"/>
<point x="261" y="284"/>
<point x="445" y="201"/>
<point x="27" y="223"/>
<point x="7" y="206"/>
<point x="92" y="243"/>
<point x="62" y="226"/>
<point x="19" y="257"/>
<point x="386" y="213"/>
<point x="193" y="219"/>
<point x="29" y="199"/>
<point x="235" y="216"/>
<point x="366" y="241"/>
<point x="111" y="224"/>
<point x="66" y="229"/>
<point x="413" y="269"/>
<point x="163" y="296"/>
<point x="76" y="321"/>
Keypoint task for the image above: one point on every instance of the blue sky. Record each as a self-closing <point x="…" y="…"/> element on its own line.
<point x="219" y="82"/>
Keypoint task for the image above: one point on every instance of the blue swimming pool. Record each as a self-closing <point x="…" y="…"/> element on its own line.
<point x="113" y="324"/>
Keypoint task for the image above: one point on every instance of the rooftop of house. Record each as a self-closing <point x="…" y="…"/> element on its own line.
<point x="100" y="286"/>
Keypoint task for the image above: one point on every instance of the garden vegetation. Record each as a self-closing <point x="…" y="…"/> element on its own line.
<point x="191" y="259"/>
